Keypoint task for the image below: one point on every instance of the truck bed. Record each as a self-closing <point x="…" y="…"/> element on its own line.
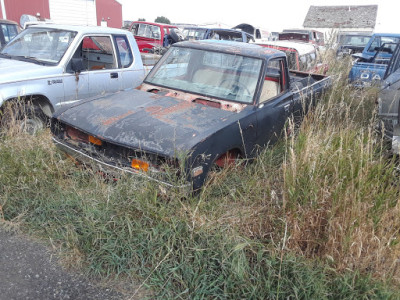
<point x="300" y="80"/>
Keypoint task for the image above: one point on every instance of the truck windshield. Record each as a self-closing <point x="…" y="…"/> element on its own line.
<point x="45" y="45"/>
<point x="212" y="74"/>
<point x="194" y="33"/>
<point x="354" y="40"/>
<point x="383" y="43"/>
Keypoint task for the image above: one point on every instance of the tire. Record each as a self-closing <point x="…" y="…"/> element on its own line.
<point x="175" y="35"/>
<point x="23" y="117"/>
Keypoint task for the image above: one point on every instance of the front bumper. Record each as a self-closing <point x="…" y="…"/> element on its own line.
<point x="113" y="170"/>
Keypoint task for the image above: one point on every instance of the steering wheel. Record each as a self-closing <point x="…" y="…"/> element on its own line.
<point x="236" y="85"/>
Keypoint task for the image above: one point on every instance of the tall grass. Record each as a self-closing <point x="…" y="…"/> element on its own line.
<point x="316" y="216"/>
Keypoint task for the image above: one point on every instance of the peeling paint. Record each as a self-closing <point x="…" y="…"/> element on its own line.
<point x="113" y="120"/>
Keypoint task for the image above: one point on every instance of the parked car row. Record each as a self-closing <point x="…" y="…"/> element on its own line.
<point x="205" y="103"/>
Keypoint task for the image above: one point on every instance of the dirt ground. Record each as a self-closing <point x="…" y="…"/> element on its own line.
<point x="28" y="270"/>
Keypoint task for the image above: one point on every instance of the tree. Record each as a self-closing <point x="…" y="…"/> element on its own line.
<point x="162" y="20"/>
<point x="142" y="19"/>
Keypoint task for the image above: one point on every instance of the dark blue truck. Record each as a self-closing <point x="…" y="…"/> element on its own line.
<point x="370" y="65"/>
<point x="388" y="102"/>
<point x="205" y="103"/>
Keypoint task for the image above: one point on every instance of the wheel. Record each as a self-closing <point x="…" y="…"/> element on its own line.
<point x="24" y="117"/>
<point x="224" y="162"/>
<point x="175" y="35"/>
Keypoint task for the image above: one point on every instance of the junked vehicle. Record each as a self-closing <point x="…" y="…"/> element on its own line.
<point x="388" y="101"/>
<point x="204" y="104"/>
<point x="309" y="36"/>
<point x="9" y="29"/>
<point x="202" y="33"/>
<point x="301" y="56"/>
<point x="259" y="34"/>
<point x="52" y="65"/>
<point x="149" y="35"/>
<point x="351" y="42"/>
<point x="370" y="65"/>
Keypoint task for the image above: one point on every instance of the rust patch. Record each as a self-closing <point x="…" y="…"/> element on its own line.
<point x="112" y="120"/>
<point x="189" y="97"/>
<point x="153" y="109"/>
<point x="167" y="111"/>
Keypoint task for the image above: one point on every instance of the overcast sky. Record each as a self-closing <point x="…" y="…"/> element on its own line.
<point x="271" y="15"/>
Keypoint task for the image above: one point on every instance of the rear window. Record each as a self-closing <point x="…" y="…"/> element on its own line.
<point x="146" y="30"/>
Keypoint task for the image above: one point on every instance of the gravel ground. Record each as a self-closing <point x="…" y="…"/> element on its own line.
<point x="28" y="270"/>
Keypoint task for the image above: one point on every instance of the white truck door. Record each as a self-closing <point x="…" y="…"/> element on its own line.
<point x="102" y="65"/>
<point x="132" y="71"/>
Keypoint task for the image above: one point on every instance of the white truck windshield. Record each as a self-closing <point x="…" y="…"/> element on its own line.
<point x="40" y="44"/>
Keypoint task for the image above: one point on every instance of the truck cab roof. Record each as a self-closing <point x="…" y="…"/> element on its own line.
<point x="244" y="49"/>
<point x="83" y="29"/>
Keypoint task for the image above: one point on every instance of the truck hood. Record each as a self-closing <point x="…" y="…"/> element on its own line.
<point x="12" y="70"/>
<point x="146" y="121"/>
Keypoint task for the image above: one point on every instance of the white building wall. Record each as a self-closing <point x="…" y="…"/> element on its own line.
<point x="75" y="12"/>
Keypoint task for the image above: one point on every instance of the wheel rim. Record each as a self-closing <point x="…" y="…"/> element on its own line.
<point x="31" y="125"/>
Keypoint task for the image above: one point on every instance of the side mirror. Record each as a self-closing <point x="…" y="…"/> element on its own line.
<point x="77" y="65"/>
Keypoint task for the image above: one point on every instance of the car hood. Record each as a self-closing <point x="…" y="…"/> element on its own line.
<point x="12" y="70"/>
<point x="146" y="121"/>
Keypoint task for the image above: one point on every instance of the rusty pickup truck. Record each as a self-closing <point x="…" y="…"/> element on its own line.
<point x="205" y="104"/>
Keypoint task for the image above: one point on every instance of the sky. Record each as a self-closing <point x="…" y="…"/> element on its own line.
<point x="271" y="15"/>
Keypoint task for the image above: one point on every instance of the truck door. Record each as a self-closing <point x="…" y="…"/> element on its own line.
<point x="275" y="105"/>
<point x="75" y="78"/>
<point x="99" y="74"/>
<point x="390" y="93"/>
<point x="100" y="56"/>
<point x="130" y="68"/>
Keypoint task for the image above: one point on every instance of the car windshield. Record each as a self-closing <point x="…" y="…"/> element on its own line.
<point x="45" y="45"/>
<point x="212" y="74"/>
<point x="386" y="43"/>
<point x="194" y="33"/>
<point x="146" y="30"/>
<point x="354" y="40"/>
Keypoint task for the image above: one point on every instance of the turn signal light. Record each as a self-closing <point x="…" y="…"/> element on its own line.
<point x="140" y="165"/>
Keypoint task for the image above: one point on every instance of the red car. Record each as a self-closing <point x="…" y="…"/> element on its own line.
<point x="149" y="35"/>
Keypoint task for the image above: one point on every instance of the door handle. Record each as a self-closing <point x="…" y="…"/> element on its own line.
<point x="114" y="75"/>
<point x="287" y="107"/>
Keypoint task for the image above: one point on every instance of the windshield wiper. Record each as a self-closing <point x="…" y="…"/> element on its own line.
<point x="5" y="55"/>
<point x="30" y="59"/>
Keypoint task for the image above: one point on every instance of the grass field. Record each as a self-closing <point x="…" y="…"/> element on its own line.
<point x="316" y="216"/>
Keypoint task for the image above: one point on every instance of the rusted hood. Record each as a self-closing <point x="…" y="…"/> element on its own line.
<point x="147" y="121"/>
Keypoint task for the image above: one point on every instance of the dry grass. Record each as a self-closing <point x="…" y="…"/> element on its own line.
<point x="331" y="189"/>
<point x="304" y="220"/>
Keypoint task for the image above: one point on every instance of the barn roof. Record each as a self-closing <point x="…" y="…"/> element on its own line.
<point x="346" y="16"/>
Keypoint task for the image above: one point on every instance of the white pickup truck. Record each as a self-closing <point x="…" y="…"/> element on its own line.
<point x="53" y="65"/>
